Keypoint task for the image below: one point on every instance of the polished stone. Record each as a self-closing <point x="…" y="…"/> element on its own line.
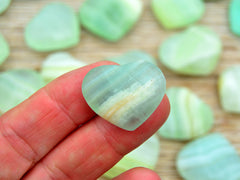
<point x="234" y="16"/>
<point x="4" y="49"/>
<point x="174" y="14"/>
<point x="124" y="95"/>
<point x="4" y="4"/>
<point x="189" y="117"/>
<point x="195" y="51"/>
<point x="110" y="19"/>
<point x="55" y="27"/>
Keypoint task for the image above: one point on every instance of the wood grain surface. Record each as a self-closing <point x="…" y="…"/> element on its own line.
<point x="147" y="35"/>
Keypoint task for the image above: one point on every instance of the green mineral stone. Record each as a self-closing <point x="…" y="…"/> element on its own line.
<point x="133" y="56"/>
<point x="174" y="14"/>
<point x="195" y="51"/>
<point x="4" y="49"/>
<point x="189" y="117"/>
<point x="229" y="89"/>
<point x="4" y="4"/>
<point x="16" y="86"/>
<point x="110" y="19"/>
<point x="124" y="95"/>
<point x="209" y="158"/>
<point x="234" y="16"/>
<point x="55" y="27"/>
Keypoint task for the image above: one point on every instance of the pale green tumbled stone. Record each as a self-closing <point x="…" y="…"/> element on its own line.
<point x="16" y="86"/>
<point x="124" y="95"/>
<point x="174" y="14"/>
<point x="133" y="56"/>
<point x="145" y="155"/>
<point x="55" y="27"/>
<point x="196" y="51"/>
<point x="58" y="64"/>
<point x="4" y="4"/>
<point x="234" y="16"/>
<point x="4" y="49"/>
<point x="189" y="117"/>
<point x="229" y="89"/>
<point x="110" y="19"/>
<point x="209" y="158"/>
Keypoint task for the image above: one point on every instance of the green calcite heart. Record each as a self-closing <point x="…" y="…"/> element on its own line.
<point x="145" y="155"/>
<point x="189" y="117"/>
<point x="234" y="16"/>
<point x="55" y="27"/>
<point x="229" y="89"/>
<point x="4" y="49"/>
<point x="209" y="158"/>
<point x="58" y="64"/>
<point x="174" y="14"/>
<point x="133" y="56"/>
<point x="195" y="51"/>
<point x="4" y="5"/>
<point x="110" y="19"/>
<point x="16" y="86"/>
<point x="124" y="95"/>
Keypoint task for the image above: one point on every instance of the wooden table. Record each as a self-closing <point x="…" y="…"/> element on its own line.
<point x="147" y="35"/>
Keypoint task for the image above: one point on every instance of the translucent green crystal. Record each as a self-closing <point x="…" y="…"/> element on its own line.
<point x="229" y="89"/>
<point x="209" y="158"/>
<point x="189" y="117"/>
<point x="110" y="19"/>
<point x="4" y="4"/>
<point x="55" y="27"/>
<point x="173" y="14"/>
<point x="145" y="155"/>
<point x="133" y="56"/>
<point x="195" y="51"/>
<point x="124" y="95"/>
<point x="4" y="49"/>
<point x="234" y="16"/>
<point x="58" y="64"/>
<point x="16" y="86"/>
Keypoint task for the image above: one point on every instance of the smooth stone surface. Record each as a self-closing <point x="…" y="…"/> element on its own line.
<point x="145" y="155"/>
<point x="174" y="14"/>
<point x="124" y="95"/>
<point x="133" y="56"/>
<point x="229" y="89"/>
<point x="209" y="158"/>
<point x="234" y="16"/>
<point x="195" y="51"/>
<point x="55" y="27"/>
<point x="58" y="64"/>
<point x="4" y="49"/>
<point x="189" y="117"/>
<point x="16" y="86"/>
<point x="4" y="4"/>
<point x="110" y="19"/>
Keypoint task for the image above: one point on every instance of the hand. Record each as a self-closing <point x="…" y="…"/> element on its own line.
<point x="55" y="135"/>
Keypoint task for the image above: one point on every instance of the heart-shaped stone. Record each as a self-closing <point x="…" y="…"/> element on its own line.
<point x="234" y="16"/>
<point x="124" y="95"/>
<point x="55" y="27"/>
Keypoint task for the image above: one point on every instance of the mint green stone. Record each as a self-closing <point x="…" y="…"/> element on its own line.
<point x="209" y="158"/>
<point x="124" y="95"/>
<point x="229" y="89"/>
<point x="174" y="14"/>
<point x="4" y="49"/>
<point x="55" y="27"/>
<point x="189" y="117"/>
<point x="58" y="64"/>
<point x="4" y="4"/>
<point x="234" y="16"/>
<point x="110" y="19"/>
<point x="133" y="56"/>
<point x="16" y="86"/>
<point x="195" y="51"/>
<point x="145" y="155"/>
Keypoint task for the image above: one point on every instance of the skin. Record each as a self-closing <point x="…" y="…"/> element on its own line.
<point x="55" y="135"/>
